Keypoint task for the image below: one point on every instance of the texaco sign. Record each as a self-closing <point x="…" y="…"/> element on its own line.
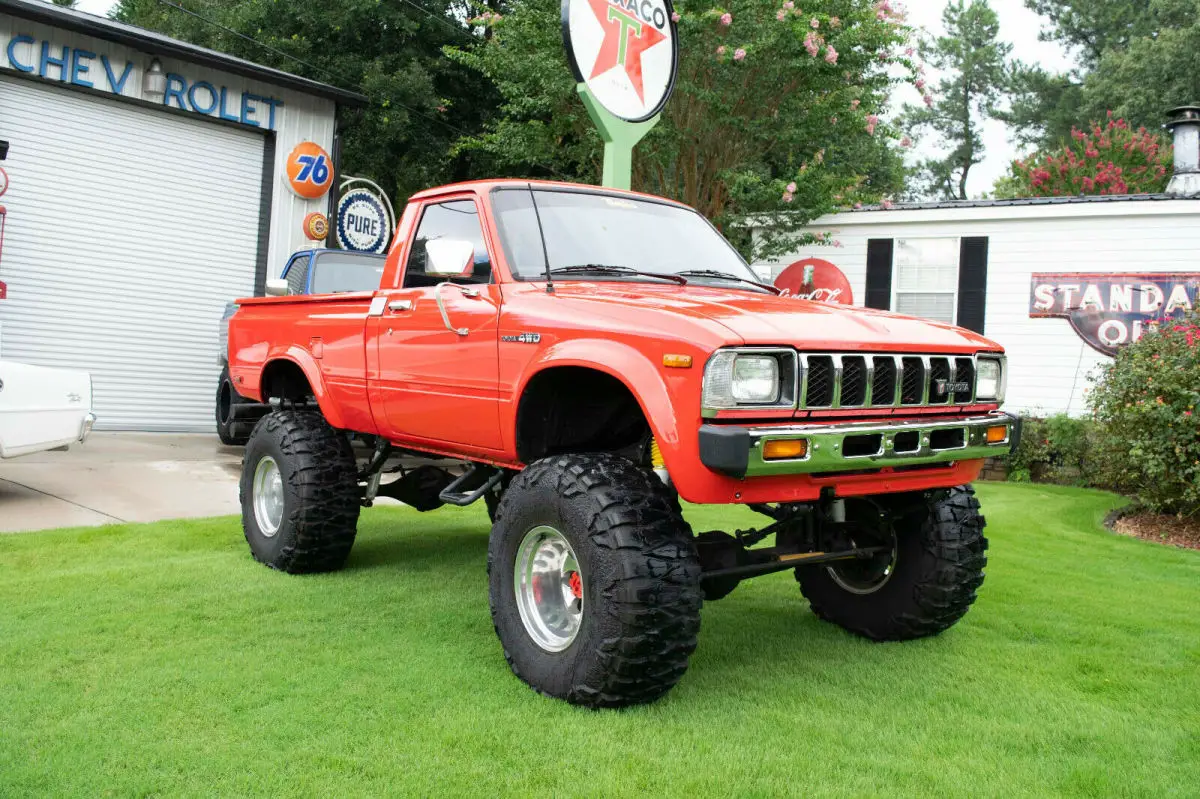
<point x="625" y="51"/>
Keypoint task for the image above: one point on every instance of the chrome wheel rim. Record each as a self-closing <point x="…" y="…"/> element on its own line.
<point x="865" y="577"/>
<point x="268" y="496"/>
<point x="549" y="588"/>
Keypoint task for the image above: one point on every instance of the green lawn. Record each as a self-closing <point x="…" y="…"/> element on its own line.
<point x="161" y="660"/>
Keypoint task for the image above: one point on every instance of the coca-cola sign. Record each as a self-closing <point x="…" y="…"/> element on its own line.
<point x="815" y="279"/>
<point x="1110" y="309"/>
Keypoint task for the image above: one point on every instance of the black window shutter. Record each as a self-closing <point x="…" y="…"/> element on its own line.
<point x="879" y="274"/>
<point x="972" y="283"/>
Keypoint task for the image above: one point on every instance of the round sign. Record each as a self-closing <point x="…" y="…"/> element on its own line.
<point x="815" y="279"/>
<point x="316" y="226"/>
<point x="309" y="170"/>
<point x="362" y="222"/>
<point x="3" y="181"/>
<point x="627" y="53"/>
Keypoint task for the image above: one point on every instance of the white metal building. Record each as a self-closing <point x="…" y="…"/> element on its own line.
<point x="1058" y="282"/>
<point x="147" y="188"/>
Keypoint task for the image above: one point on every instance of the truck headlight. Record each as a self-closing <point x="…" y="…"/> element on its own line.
<point x="989" y="379"/>
<point x="750" y="378"/>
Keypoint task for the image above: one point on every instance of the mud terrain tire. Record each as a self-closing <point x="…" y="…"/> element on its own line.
<point x="940" y="556"/>
<point x="638" y="580"/>
<point x="317" y="488"/>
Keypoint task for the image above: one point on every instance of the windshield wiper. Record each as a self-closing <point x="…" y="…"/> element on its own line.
<point x="612" y="269"/>
<point x="726" y="276"/>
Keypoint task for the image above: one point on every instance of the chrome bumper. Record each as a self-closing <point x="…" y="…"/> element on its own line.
<point x="855" y="446"/>
<point x="85" y="429"/>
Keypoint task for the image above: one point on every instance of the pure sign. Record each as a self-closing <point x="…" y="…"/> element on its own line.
<point x="362" y="223"/>
<point x="625" y="51"/>
<point x="1107" y="309"/>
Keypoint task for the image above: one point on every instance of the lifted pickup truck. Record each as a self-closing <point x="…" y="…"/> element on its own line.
<point x="590" y="356"/>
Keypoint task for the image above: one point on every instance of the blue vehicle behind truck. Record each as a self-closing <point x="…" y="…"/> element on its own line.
<point x="316" y="271"/>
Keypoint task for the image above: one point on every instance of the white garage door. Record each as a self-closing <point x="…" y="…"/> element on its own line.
<point x="128" y="230"/>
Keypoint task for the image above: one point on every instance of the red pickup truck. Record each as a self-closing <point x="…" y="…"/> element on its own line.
<point x="581" y="358"/>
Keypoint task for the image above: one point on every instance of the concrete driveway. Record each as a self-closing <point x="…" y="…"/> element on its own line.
<point x="120" y="477"/>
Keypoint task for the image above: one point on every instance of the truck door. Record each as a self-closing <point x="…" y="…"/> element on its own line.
<point x="437" y="335"/>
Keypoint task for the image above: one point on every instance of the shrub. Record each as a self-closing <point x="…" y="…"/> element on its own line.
<point x="1146" y="402"/>
<point x="1107" y="159"/>
<point x="1058" y="449"/>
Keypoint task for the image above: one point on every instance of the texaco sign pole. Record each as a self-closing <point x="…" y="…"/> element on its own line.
<point x="624" y="54"/>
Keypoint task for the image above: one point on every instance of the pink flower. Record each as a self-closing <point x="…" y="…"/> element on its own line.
<point x="888" y="205"/>
<point x="928" y="100"/>
<point x="831" y="55"/>
<point x="810" y="44"/>
<point x="919" y="83"/>
<point x="908" y="51"/>
<point x="816" y="23"/>
<point x="781" y="15"/>
<point x="674" y="16"/>
<point x="835" y="22"/>
<point x="721" y="50"/>
<point x="833" y="120"/>
<point x="739" y="54"/>
<point x="787" y="196"/>
<point x="855" y="104"/>
<point x="870" y="129"/>
<point x="727" y="18"/>
<point x="905" y="142"/>
<point x="789" y="5"/>
<point x="858" y="206"/>
<point x="790" y="188"/>
<point x="837" y="243"/>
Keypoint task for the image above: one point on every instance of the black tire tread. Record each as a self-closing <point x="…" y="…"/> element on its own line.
<point x="954" y="550"/>
<point x="324" y="476"/>
<point x="657" y="595"/>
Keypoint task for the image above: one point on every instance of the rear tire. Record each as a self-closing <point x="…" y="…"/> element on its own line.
<point x="935" y="571"/>
<point x="617" y="617"/>
<point x="227" y="397"/>
<point x="299" y="493"/>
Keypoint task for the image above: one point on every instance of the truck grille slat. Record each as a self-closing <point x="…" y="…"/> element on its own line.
<point x="835" y="381"/>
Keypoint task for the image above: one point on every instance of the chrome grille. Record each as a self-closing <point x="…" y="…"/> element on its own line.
<point x="885" y="381"/>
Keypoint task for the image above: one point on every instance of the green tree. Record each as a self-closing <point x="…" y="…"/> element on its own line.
<point x="974" y="62"/>
<point x="65" y="3"/>
<point x="775" y="111"/>
<point x="421" y="102"/>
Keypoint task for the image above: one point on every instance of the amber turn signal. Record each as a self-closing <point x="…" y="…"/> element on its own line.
<point x="996" y="435"/>
<point x="677" y="361"/>
<point x="785" y="449"/>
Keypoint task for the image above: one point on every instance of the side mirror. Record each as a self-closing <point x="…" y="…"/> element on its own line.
<point x="449" y="257"/>
<point x="277" y="287"/>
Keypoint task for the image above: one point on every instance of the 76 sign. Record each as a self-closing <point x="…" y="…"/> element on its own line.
<point x="309" y="170"/>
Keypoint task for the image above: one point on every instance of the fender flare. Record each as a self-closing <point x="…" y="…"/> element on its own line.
<point x="316" y="381"/>
<point x="629" y="367"/>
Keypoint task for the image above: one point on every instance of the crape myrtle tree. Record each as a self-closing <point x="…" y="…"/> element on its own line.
<point x="973" y="60"/>
<point x="420" y="101"/>
<point x="775" y="114"/>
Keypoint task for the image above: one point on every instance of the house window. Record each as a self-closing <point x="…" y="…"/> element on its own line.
<point x="925" y="278"/>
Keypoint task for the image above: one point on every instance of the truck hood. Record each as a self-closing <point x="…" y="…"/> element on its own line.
<point x="767" y="319"/>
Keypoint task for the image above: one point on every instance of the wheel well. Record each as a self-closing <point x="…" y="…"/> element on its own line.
<point x="576" y="409"/>
<point x="285" y="380"/>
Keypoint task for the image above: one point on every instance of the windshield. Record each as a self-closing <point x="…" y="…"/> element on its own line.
<point x="337" y="272"/>
<point x="592" y="229"/>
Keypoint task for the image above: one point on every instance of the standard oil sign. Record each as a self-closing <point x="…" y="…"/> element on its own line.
<point x="1107" y="309"/>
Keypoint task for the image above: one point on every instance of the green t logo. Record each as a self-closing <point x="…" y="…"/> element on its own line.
<point x="628" y="23"/>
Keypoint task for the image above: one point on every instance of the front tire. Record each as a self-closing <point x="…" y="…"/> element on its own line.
<point x="922" y="587"/>
<point x="299" y="493"/>
<point x="594" y="581"/>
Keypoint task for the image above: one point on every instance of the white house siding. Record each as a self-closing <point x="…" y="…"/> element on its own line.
<point x="1049" y="364"/>
<point x="302" y="117"/>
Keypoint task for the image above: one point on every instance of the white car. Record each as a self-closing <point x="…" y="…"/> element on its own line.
<point x="43" y="408"/>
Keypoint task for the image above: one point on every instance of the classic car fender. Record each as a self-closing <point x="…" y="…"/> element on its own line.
<point x="304" y="360"/>
<point x="633" y="368"/>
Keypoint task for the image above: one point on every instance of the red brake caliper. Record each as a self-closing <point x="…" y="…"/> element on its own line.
<point x="576" y="584"/>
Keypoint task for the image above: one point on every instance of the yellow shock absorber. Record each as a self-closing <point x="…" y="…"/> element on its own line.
<point x="656" y="458"/>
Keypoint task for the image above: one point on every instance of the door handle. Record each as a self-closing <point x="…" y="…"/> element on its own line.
<point x="395" y="306"/>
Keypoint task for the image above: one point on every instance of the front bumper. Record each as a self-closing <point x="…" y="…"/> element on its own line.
<point x="856" y="446"/>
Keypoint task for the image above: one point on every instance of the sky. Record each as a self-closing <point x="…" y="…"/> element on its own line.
<point x="1018" y="26"/>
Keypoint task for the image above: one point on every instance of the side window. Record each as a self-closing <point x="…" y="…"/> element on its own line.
<point x="458" y="219"/>
<point x="296" y="273"/>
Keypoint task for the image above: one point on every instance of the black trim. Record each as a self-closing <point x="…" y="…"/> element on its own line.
<point x="879" y="274"/>
<point x="266" y="199"/>
<point x="725" y="449"/>
<point x="153" y="43"/>
<point x="578" y="73"/>
<point x="972" y="283"/>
